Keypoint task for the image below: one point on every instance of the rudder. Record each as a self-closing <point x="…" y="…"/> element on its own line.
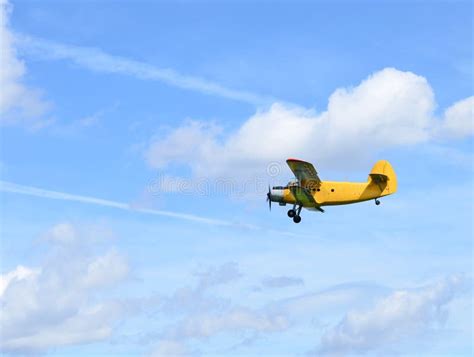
<point x="383" y="175"/>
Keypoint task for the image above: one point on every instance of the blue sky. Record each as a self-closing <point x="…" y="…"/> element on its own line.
<point x="138" y="140"/>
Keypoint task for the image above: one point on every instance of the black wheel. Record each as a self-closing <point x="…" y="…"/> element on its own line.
<point x="291" y="213"/>
<point x="297" y="219"/>
<point x="377" y="202"/>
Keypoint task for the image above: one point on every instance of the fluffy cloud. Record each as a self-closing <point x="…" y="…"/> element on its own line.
<point x="191" y="300"/>
<point x="204" y="315"/>
<point x="19" y="273"/>
<point x="400" y="315"/>
<point x="62" y="233"/>
<point x="459" y="120"/>
<point x="390" y="108"/>
<point x="59" y="303"/>
<point x="19" y="104"/>
<point x="380" y="317"/>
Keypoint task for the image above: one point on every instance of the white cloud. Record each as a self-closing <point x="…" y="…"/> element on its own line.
<point x="188" y="143"/>
<point x="62" y="233"/>
<point x="197" y="300"/>
<point x="106" y="270"/>
<point x="84" y="326"/>
<point x="59" y="303"/>
<point x="459" y="119"/>
<point x="19" y="104"/>
<point x="205" y="315"/>
<point x="19" y="273"/>
<point x="399" y="316"/>
<point x="390" y="108"/>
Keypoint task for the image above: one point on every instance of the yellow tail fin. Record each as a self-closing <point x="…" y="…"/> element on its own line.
<point x="383" y="175"/>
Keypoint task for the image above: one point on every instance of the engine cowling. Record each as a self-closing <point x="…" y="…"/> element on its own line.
<point x="277" y="194"/>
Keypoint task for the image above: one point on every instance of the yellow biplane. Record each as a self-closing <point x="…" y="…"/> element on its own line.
<point x="310" y="192"/>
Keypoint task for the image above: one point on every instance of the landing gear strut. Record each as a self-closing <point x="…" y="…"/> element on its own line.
<point x="296" y="214"/>
<point x="292" y="212"/>
<point x="377" y="202"/>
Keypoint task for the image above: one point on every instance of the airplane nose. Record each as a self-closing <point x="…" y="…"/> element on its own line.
<point x="276" y="195"/>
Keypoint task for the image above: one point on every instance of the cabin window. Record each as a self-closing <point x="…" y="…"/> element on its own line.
<point x="319" y="189"/>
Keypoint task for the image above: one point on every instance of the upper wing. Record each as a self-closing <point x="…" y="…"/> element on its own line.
<point x="305" y="173"/>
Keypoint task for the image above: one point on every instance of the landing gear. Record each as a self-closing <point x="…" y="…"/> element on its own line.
<point x="295" y="214"/>
<point x="377" y="202"/>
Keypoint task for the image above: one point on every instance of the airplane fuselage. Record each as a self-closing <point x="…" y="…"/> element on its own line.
<point x="330" y="193"/>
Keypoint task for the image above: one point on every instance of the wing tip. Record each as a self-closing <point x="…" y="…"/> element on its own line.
<point x="294" y="160"/>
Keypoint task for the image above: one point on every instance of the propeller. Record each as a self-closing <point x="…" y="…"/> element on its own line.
<point x="269" y="198"/>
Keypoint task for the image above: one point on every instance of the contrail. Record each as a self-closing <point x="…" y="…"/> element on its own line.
<point x="55" y="195"/>
<point x="63" y="196"/>
<point x="97" y="60"/>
